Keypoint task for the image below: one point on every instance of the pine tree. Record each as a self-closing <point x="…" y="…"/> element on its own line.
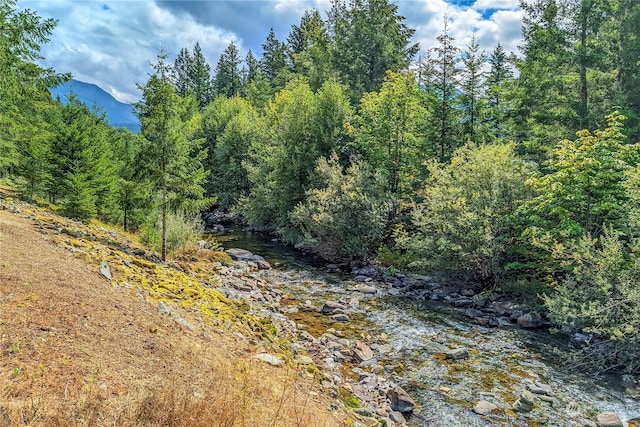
<point x="227" y="81"/>
<point x="471" y="85"/>
<point x="201" y="78"/>
<point x="172" y="161"/>
<point x="274" y="61"/>
<point x="183" y="66"/>
<point x="444" y="75"/>
<point x="500" y="75"/>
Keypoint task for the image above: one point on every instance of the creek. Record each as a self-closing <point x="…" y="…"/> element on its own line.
<point x="410" y="338"/>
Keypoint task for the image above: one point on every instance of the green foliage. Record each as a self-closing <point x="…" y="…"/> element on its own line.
<point x="300" y="127"/>
<point x="584" y="190"/>
<point x="80" y="166"/>
<point x="463" y="225"/>
<point x="230" y="127"/>
<point x="171" y="157"/>
<point x="601" y="296"/>
<point x="183" y="230"/>
<point x="346" y="214"/>
<point x="389" y="133"/>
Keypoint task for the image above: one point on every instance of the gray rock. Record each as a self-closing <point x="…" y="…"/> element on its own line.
<point x="609" y="419"/>
<point x="539" y="388"/>
<point x="463" y="302"/>
<point x="270" y="359"/>
<point x="105" y="270"/>
<point x="397" y="417"/>
<point x="365" y="412"/>
<point x="362" y="352"/>
<point x="371" y="290"/>
<point x="162" y="309"/>
<point x="458" y="354"/>
<point x="580" y="340"/>
<point x="263" y="265"/>
<point x="183" y="322"/>
<point x="341" y="317"/>
<point x="330" y="307"/>
<point x="484" y="408"/>
<point x="400" y="400"/>
<point x="472" y="313"/>
<point x="529" y="321"/>
<point x="524" y="402"/>
<point x="584" y="423"/>
<point x="238" y="254"/>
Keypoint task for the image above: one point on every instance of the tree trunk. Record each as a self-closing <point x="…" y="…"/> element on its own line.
<point x="164" y="223"/>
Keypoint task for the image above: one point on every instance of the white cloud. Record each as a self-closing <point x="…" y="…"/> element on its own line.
<point x="496" y="4"/>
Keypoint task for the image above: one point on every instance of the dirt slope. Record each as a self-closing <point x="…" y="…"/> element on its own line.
<point x="77" y="350"/>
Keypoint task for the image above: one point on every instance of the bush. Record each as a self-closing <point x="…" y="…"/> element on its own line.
<point x="183" y="231"/>
<point x="346" y="215"/>
<point x="601" y="296"/>
<point x="463" y="225"/>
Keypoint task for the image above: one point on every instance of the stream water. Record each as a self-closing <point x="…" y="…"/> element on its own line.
<point x="410" y="338"/>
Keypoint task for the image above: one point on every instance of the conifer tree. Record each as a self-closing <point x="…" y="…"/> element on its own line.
<point x="171" y="159"/>
<point x="227" y="81"/>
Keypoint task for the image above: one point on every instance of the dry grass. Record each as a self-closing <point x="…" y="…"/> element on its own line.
<point x="77" y="351"/>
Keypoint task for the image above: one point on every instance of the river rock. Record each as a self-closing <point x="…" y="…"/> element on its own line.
<point x="238" y="254"/>
<point x="463" y="302"/>
<point x="400" y="400"/>
<point x="541" y="389"/>
<point x="472" y="313"/>
<point x="362" y="352"/>
<point x="359" y="268"/>
<point x="371" y="290"/>
<point x="484" y="408"/>
<point x="584" y="423"/>
<point x="341" y="317"/>
<point x="529" y="321"/>
<point x="263" y="265"/>
<point x="579" y="340"/>
<point x="458" y="354"/>
<point x="609" y="419"/>
<point x="330" y="307"/>
<point x="397" y="417"/>
<point x="524" y="402"/>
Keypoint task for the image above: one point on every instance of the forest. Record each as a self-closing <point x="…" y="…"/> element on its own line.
<point x="518" y="171"/>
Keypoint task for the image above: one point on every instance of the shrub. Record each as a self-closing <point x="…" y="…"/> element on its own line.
<point x="463" y="225"/>
<point x="601" y="296"/>
<point x="346" y="215"/>
<point x="183" y="231"/>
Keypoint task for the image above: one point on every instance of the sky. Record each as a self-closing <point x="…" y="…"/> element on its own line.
<point x="112" y="43"/>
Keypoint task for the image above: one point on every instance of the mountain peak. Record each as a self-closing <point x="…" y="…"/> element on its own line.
<point x="118" y="113"/>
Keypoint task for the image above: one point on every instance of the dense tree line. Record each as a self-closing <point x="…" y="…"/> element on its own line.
<point x="511" y="170"/>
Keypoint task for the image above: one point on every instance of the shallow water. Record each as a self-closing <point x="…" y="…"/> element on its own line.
<point x="415" y="335"/>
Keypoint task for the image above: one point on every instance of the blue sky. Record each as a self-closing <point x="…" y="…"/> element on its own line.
<point x="111" y="43"/>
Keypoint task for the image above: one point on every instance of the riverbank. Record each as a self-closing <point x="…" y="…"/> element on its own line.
<point x="95" y="332"/>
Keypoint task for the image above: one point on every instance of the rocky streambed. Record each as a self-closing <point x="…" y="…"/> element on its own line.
<point x="404" y="350"/>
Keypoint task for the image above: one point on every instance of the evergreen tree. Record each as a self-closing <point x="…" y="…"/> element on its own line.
<point x="183" y="67"/>
<point x="23" y="83"/>
<point x="227" y="81"/>
<point x="201" y="78"/>
<point x="472" y="96"/>
<point x="370" y="39"/>
<point x="172" y="160"/>
<point x="274" y="61"/>
<point x="82" y="176"/>
<point x="444" y="77"/>
<point x="500" y="75"/>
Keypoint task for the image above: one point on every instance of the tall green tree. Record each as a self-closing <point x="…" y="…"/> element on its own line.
<point x="274" y="61"/>
<point x="23" y="82"/>
<point x="172" y="159"/>
<point x="230" y="127"/>
<point x="82" y="173"/>
<point x="370" y="38"/>
<point x="389" y="132"/>
<point x="227" y="81"/>
<point x="472" y="83"/>
<point x="498" y="85"/>
<point x="443" y="78"/>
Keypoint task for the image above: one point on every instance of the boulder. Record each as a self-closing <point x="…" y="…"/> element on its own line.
<point x="330" y="307"/>
<point x="457" y="354"/>
<point x="400" y="400"/>
<point x="609" y="419"/>
<point x="340" y="317"/>
<point x="362" y="352"/>
<point x="484" y="408"/>
<point x="270" y="359"/>
<point x="524" y="402"/>
<point x="105" y="270"/>
<point x="238" y="254"/>
<point x="529" y="321"/>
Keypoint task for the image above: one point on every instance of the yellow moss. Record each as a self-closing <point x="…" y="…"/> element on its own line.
<point x="221" y="257"/>
<point x="143" y="263"/>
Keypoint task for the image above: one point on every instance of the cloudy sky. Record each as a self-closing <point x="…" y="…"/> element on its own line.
<point x="113" y="42"/>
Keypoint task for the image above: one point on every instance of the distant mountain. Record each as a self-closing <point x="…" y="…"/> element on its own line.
<point x="119" y="114"/>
